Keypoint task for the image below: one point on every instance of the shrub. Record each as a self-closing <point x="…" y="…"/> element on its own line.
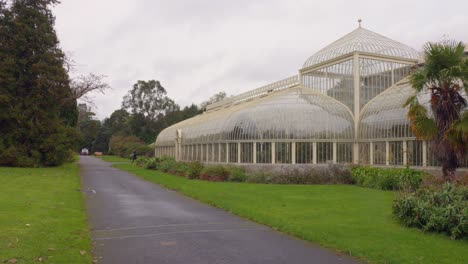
<point x="215" y="173"/>
<point x="259" y="177"/>
<point x="141" y="162"/>
<point x="443" y="209"/>
<point x="166" y="164"/>
<point x="331" y="174"/>
<point x="151" y="163"/>
<point x="194" y="170"/>
<point x="388" y="178"/>
<point x="236" y="174"/>
<point x="123" y="146"/>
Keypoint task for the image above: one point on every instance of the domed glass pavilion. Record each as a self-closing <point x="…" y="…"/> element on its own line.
<point x="344" y="106"/>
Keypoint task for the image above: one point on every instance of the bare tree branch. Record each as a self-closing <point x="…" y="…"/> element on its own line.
<point x="84" y="84"/>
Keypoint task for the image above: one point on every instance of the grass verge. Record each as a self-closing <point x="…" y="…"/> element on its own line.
<point x="110" y="158"/>
<point x="42" y="216"/>
<point x="353" y="220"/>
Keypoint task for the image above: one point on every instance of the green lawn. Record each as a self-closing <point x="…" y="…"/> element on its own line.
<point x="110" y="158"/>
<point x="42" y="216"/>
<point x="353" y="220"/>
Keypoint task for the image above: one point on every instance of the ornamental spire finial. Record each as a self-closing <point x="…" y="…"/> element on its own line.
<point x="359" y="21"/>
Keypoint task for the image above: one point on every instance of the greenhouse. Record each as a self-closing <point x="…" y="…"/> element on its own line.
<point x="344" y="106"/>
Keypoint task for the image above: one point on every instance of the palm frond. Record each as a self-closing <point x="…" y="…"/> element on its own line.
<point x="442" y="55"/>
<point x="458" y="135"/>
<point x="418" y="80"/>
<point x="422" y="125"/>
<point x="425" y="128"/>
<point x="410" y="101"/>
<point x="462" y="124"/>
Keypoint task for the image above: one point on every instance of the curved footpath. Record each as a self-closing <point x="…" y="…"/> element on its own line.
<point x="135" y="221"/>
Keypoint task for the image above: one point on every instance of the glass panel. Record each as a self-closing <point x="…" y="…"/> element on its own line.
<point x="431" y="154"/>
<point x="199" y="152"/>
<point x="304" y="152"/>
<point x="344" y="152"/>
<point x="364" y="153"/>
<point x="232" y="152"/>
<point x="324" y="152"/>
<point x="283" y="152"/>
<point x="264" y="152"/>
<point x="385" y="118"/>
<point x="209" y="157"/>
<point x="246" y="152"/>
<point x="216" y="152"/>
<point x="414" y="153"/>
<point x="395" y="153"/>
<point x="336" y="81"/>
<point x="223" y="152"/>
<point x="380" y="153"/>
<point x="376" y="76"/>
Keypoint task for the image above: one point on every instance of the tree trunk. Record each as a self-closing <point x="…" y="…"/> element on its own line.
<point x="448" y="159"/>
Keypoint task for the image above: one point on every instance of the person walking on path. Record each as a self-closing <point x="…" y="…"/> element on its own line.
<point x="134" y="155"/>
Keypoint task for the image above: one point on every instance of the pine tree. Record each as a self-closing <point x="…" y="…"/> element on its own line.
<point x="38" y="112"/>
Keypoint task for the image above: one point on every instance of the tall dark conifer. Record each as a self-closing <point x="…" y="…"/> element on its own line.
<point x="38" y="114"/>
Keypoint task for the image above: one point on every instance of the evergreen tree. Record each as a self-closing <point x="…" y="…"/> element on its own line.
<point x="38" y="113"/>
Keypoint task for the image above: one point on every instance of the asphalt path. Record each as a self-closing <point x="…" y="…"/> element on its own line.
<point x="135" y="221"/>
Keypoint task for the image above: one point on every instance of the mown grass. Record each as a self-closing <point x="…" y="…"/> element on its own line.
<point x="350" y="219"/>
<point x="42" y="216"/>
<point x="110" y="158"/>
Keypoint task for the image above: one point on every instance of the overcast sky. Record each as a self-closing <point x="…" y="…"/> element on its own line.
<point x="196" y="48"/>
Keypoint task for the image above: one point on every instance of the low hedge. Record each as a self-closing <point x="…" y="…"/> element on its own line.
<point x="331" y="174"/>
<point x="442" y="209"/>
<point x="388" y="178"/>
<point x="223" y="173"/>
<point x="371" y="177"/>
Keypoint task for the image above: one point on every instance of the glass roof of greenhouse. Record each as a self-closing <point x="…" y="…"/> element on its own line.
<point x="296" y="113"/>
<point x="363" y="40"/>
<point x="385" y="117"/>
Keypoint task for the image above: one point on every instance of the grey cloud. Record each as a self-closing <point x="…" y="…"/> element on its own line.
<point x="197" y="48"/>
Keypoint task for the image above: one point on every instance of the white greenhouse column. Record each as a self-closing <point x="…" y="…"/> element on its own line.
<point x="212" y="152"/>
<point x="238" y="152"/>
<point x="192" y="151"/>
<point x="387" y="153"/>
<point x="334" y="152"/>
<point x="405" y="154"/>
<point x="371" y="153"/>
<point x="203" y="154"/>
<point x="314" y="151"/>
<point x="424" y="152"/>
<point x="227" y="152"/>
<point x="219" y="152"/>
<point x="293" y="152"/>
<point x="273" y="152"/>
<point x="356" y="110"/>
<point x="393" y="77"/>
<point x="356" y="153"/>
<point x="254" y="158"/>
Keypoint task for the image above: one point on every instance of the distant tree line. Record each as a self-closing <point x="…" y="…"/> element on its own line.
<point x="146" y="110"/>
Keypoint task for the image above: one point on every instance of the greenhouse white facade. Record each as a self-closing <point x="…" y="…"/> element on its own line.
<point x="344" y="106"/>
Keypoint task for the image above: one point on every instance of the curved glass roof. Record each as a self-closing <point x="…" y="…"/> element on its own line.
<point x="384" y="117"/>
<point x="363" y="40"/>
<point x="296" y="113"/>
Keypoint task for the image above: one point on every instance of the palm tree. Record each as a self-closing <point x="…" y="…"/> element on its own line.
<point x="444" y="77"/>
